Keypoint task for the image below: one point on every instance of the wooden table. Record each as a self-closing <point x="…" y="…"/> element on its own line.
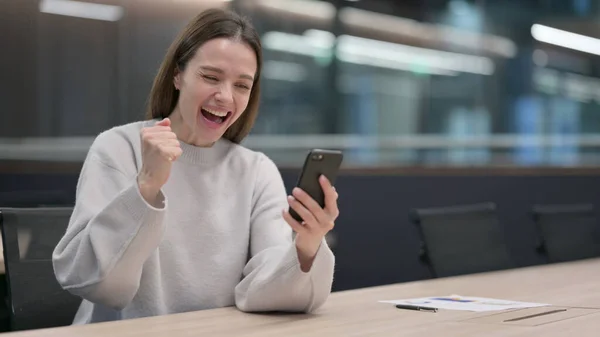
<point x="357" y="312"/>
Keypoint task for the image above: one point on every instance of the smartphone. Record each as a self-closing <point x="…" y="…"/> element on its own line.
<point x="318" y="162"/>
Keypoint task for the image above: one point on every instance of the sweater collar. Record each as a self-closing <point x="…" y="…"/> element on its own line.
<point x="204" y="155"/>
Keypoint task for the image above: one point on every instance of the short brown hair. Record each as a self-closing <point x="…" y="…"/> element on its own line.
<point x="208" y="25"/>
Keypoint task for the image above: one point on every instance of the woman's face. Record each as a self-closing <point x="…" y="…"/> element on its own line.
<point x="214" y="89"/>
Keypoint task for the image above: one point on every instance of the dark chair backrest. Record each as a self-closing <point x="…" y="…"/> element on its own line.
<point x="35" y="299"/>
<point x="567" y="232"/>
<point x="34" y="198"/>
<point x="462" y="239"/>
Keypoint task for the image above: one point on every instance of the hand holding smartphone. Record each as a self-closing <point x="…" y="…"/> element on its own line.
<point x="318" y="162"/>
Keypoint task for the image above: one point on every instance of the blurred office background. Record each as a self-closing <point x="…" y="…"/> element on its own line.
<point x="393" y="83"/>
<point x="435" y="103"/>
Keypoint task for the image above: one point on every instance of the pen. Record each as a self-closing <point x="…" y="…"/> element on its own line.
<point x="414" y="307"/>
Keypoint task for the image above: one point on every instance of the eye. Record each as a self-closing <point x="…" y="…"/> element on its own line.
<point x="243" y="86"/>
<point x="210" y="78"/>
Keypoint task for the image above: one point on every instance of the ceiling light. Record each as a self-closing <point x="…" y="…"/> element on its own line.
<point x="565" y="39"/>
<point x="82" y="9"/>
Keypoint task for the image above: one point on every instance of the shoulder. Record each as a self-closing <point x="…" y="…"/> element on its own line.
<point x="267" y="182"/>
<point x="252" y="158"/>
<point x="266" y="176"/>
<point x="255" y="165"/>
<point x="119" y="146"/>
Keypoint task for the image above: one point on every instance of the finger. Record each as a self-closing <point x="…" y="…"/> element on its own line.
<point x="315" y="209"/>
<point x="328" y="190"/>
<point x="174" y="152"/>
<point x="168" y="145"/>
<point x="158" y="129"/>
<point x="164" y="122"/>
<point x="325" y="183"/>
<point x="336" y="193"/>
<point x="159" y="139"/>
<point x="331" y="196"/>
<point x="163" y="142"/>
<point x="170" y="152"/>
<point x="302" y="211"/>
<point x="167" y="140"/>
<point x="164" y="136"/>
<point x="296" y="226"/>
<point x="149" y="135"/>
<point x="177" y="152"/>
<point x="173" y="158"/>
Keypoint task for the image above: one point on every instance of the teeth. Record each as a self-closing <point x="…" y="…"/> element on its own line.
<point x="217" y="113"/>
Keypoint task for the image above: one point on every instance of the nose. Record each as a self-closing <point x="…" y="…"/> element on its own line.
<point x="224" y="94"/>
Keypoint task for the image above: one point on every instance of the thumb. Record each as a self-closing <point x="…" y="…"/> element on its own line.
<point x="164" y="122"/>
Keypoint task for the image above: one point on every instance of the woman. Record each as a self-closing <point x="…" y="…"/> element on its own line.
<point x="172" y="215"/>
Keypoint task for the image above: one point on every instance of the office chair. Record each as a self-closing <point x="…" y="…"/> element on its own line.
<point x="34" y="198"/>
<point x="462" y="239"/>
<point x="567" y="232"/>
<point x="35" y="299"/>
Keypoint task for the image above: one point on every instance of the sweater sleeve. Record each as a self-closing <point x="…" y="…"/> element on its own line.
<point x="273" y="280"/>
<point x="111" y="232"/>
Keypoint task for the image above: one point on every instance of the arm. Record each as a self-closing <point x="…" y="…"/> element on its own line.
<point x="112" y="231"/>
<point x="273" y="279"/>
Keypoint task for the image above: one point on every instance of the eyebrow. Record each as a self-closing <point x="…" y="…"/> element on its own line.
<point x="220" y="71"/>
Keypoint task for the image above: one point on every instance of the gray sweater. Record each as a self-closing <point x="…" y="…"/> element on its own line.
<point x="219" y="239"/>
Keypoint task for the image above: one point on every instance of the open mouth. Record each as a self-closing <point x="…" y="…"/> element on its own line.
<point x="217" y="117"/>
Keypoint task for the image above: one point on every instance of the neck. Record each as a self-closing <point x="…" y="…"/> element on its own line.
<point x="183" y="132"/>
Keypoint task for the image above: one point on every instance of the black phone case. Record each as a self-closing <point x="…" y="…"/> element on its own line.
<point x="318" y="162"/>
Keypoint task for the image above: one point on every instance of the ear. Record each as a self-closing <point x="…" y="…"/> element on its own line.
<point x="177" y="79"/>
